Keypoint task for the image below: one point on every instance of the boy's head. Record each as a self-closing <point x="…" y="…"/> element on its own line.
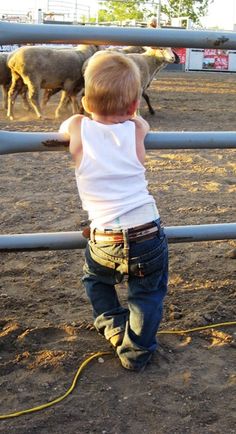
<point x="112" y="84"/>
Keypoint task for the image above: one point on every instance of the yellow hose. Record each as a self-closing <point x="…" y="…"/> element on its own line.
<point x="100" y="354"/>
<point x="196" y="329"/>
<point x="60" y="398"/>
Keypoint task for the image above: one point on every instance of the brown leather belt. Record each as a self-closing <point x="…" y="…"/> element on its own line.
<point x="138" y="233"/>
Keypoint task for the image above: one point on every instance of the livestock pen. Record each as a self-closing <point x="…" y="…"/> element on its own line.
<point x="44" y="336"/>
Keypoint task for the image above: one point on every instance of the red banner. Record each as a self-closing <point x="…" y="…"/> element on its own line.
<point x="215" y="59"/>
<point x="181" y="53"/>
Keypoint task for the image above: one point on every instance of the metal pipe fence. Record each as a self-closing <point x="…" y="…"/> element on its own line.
<point x="16" y="142"/>
<point x="50" y="33"/>
<point x="12" y="142"/>
<point x="75" y="240"/>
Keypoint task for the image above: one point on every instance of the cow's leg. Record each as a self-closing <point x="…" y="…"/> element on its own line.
<point x="5" y="88"/>
<point x="12" y="94"/>
<point x="46" y="97"/>
<point x="24" y="95"/>
<point x="34" y="89"/>
<point x="48" y="93"/>
<point x="65" y="98"/>
<point x="81" y="108"/>
<point x="146" y="97"/>
<point x="75" y="105"/>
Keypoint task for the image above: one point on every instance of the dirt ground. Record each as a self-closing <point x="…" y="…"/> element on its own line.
<point x="46" y="319"/>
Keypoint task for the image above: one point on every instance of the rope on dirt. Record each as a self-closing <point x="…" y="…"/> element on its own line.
<point x="97" y="355"/>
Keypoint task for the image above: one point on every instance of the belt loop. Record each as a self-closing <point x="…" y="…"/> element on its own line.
<point x="158" y="224"/>
<point x="126" y="248"/>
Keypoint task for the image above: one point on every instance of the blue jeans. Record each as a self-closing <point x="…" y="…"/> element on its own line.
<point x="105" y="266"/>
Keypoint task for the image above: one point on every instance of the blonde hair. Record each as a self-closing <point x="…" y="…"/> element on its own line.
<point x="112" y="83"/>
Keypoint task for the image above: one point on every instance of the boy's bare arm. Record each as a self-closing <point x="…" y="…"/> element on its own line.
<point x="142" y="128"/>
<point x="71" y="128"/>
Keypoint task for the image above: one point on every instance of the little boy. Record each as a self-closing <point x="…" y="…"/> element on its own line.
<point x="127" y="240"/>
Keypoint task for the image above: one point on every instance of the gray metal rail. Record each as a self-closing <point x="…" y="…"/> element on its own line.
<point x="50" y="33"/>
<point x="75" y="240"/>
<point x="11" y="142"/>
<point x="16" y="142"/>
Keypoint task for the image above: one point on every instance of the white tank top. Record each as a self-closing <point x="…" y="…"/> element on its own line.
<point x="110" y="179"/>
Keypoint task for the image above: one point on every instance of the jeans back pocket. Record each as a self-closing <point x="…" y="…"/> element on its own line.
<point x="143" y="266"/>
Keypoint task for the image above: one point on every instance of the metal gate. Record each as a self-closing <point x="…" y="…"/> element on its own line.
<point x="11" y="142"/>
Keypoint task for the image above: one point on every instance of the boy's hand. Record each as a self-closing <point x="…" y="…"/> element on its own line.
<point x="70" y="128"/>
<point x="69" y="124"/>
<point x="141" y="124"/>
<point x="142" y="127"/>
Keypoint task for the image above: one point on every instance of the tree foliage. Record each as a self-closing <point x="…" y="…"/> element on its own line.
<point x="121" y="10"/>
<point x="194" y="9"/>
<point x="124" y="10"/>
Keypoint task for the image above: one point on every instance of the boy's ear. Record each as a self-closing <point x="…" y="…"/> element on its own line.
<point x="85" y="104"/>
<point x="133" y="107"/>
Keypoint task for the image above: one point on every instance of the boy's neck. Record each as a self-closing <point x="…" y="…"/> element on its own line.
<point x="110" y="119"/>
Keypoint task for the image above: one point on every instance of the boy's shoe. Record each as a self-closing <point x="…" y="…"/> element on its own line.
<point x="139" y="368"/>
<point x="116" y="340"/>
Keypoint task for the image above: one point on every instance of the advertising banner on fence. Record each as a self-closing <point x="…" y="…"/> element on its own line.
<point x="215" y="59"/>
<point x="182" y="54"/>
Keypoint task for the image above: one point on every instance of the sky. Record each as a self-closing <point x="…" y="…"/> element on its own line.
<point x="222" y="13"/>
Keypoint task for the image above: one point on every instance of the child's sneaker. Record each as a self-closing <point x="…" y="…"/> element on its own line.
<point x="139" y="368"/>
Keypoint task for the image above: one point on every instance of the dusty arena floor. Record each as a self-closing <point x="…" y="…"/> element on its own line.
<point x="45" y="316"/>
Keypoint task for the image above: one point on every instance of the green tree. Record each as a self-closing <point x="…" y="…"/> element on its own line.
<point x="194" y="9"/>
<point x="120" y="10"/>
<point x="125" y="10"/>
